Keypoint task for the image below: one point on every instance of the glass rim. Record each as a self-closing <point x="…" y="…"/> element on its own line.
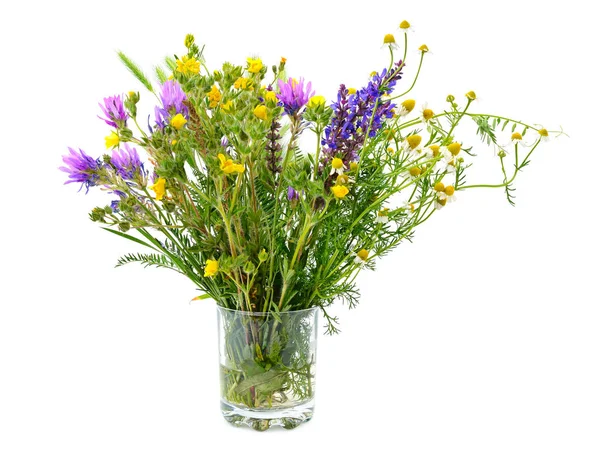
<point x="266" y="313"/>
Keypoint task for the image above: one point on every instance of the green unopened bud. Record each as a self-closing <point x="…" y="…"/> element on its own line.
<point x="189" y="40"/>
<point x="262" y="255"/>
<point x="97" y="215"/>
<point x="169" y="206"/>
<point x="450" y="98"/>
<point x="125" y="134"/>
<point x="249" y="267"/>
<point x="274" y="68"/>
<point x="124" y="226"/>
<point x="108" y="210"/>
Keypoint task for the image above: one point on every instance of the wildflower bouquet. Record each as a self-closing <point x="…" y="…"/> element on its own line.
<point x="226" y="197"/>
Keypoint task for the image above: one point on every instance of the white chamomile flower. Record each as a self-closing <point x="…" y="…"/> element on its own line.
<point x="361" y="257"/>
<point x="337" y="166"/>
<point x="543" y="132"/>
<point x="382" y="216"/>
<point x="344" y="179"/>
<point x="411" y="143"/>
<point x="444" y="194"/>
<point x="409" y="209"/>
<point x="405" y="27"/>
<point x="426" y="114"/>
<point x="406" y="107"/>
<point x="389" y="40"/>
<point x="452" y="156"/>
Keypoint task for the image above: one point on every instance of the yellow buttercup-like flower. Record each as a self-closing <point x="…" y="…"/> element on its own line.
<point x="339" y="191"/>
<point x="112" y="140"/>
<point x="159" y="188"/>
<point x="188" y="66"/>
<point x="261" y="112"/>
<point x="211" y="268"/>
<point x="270" y="96"/>
<point x="471" y="95"/>
<point x="228" y="166"/>
<point x="254" y="65"/>
<point x="316" y="101"/>
<point x="214" y="97"/>
<point x="243" y="83"/>
<point x="227" y="106"/>
<point x="178" y="121"/>
<point x="351" y="90"/>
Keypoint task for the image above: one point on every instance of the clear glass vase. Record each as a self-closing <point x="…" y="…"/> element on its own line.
<point x="267" y="367"/>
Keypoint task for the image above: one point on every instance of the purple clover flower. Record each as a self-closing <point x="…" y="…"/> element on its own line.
<point x="114" y="111"/>
<point x="127" y="163"/>
<point x="81" y="168"/>
<point x="293" y="194"/>
<point x="293" y="95"/>
<point x="172" y="97"/>
<point x="355" y="115"/>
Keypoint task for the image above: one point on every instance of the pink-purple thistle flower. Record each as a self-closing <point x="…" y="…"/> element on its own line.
<point x="293" y="96"/>
<point x="114" y="111"/>
<point x="127" y="163"/>
<point x="172" y="97"/>
<point x="81" y="168"/>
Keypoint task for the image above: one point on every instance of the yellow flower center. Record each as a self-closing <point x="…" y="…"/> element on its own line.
<point x="112" y="140"/>
<point x="454" y="148"/>
<point x="383" y="212"/>
<point x="261" y="112"/>
<point x="427" y="114"/>
<point x="415" y="171"/>
<point x="390" y="150"/>
<point x="408" y="105"/>
<point x="339" y="191"/>
<point x="254" y="65"/>
<point x="159" y="188"/>
<point x="316" y="101"/>
<point x="439" y="187"/>
<point x="337" y="163"/>
<point x="178" y="121"/>
<point x="363" y="255"/>
<point x="435" y="149"/>
<point x="413" y="141"/>
<point x="471" y="95"/>
<point x="211" y="268"/>
<point x="405" y="25"/>
<point x="449" y="190"/>
<point x="228" y="166"/>
<point x="351" y="90"/>
<point x="516" y="137"/>
<point x="543" y="132"/>
<point x="442" y="201"/>
<point x="389" y="39"/>
<point x="423" y="48"/>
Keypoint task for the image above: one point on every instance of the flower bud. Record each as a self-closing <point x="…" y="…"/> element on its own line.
<point x="124" y="226"/>
<point x="262" y="255"/>
<point x="249" y="267"/>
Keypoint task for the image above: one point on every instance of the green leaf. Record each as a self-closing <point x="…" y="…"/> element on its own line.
<point x="135" y="70"/>
<point x="266" y="382"/>
<point x="129" y="237"/>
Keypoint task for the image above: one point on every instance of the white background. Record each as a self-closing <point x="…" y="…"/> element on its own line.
<point x="478" y="341"/>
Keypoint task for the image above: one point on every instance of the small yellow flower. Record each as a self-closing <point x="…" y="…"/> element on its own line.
<point x="214" y="97"/>
<point x="243" y="83"/>
<point x="337" y="166"/>
<point x="174" y="141"/>
<point x="211" y="268"/>
<point x="543" y="134"/>
<point x="271" y="97"/>
<point x="178" y="121"/>
<point x="254" y="65"/>
<point x="159" y="188"/>
<point x="516" y="137"/>
<point x="415" y="171"/>
<point x="361" y="256"/>
<point x="112" y="140"/>
<point x="351" y="90"/>
<point x="426" y="114"/>
<point x="413" y="141"/>
<point x="228" y="166"/>
<point x="261" y="112"/>
<point x="407" y="107"/>
<point x="439" y="187"/>
<point x="316" y="102"/>
<point x="339" y="191"/>
<point x="471" y="95"/>
<point x="424" y="49"/>
<point x="283" y="60"/>
<point x="454" y="148"/>
<point x="449" y="190"/>
<point x="188" y="66"/>
<point x="405" y="26"/>
<point x="435" y="150"/>
<point x="227" y="106"/>
<point x="372" y="74"/>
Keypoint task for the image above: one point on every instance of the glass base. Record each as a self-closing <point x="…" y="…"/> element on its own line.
<point x="263" y="419"/>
